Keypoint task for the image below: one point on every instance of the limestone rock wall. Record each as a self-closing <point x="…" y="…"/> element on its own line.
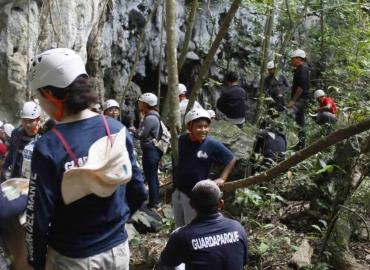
<point x="106" y="34"/>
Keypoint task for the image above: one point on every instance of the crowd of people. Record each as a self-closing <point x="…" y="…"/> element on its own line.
<point x="77" y="179"/>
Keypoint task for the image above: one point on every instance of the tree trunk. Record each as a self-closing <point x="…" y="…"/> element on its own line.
<point x="138" y="51"/>
<point x="203" y="72"/>
<point x="172" y="75"/>
<point x="354" y="167"/>
<point x="305" y="153"/>
<point x="288" y="36"/>
<point x="264" y="56"/>
<point x="188" y="33"/>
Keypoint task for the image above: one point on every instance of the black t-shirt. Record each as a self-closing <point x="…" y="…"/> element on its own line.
<point x="301" y="79"/>
<point x="232" y="102"/>
<point x="212" y="242"/>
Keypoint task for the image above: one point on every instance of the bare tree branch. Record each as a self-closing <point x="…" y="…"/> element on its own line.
<point x="305" y="153"/>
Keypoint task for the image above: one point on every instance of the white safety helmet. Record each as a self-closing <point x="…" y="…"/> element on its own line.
<point x="109" y="104"/>
<point x="30" y="110"/>
<point x="211" y="113"/>
<point x="182" y="89"/>
<point x="194" y="114"/>
<point x="149" y="99"/>
<point x="8" y="129"/>
<point x="298" y="53"/>
<point x="319" y="93"/>
<point x="56" y="67"/>
<point x="270" y="65"/>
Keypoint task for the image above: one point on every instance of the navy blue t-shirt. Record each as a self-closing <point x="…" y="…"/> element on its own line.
<point x="211" y="242"/>
<point x="90" y="225"/>
<point x="196" y="159"/>
<point x="301" y="79"/>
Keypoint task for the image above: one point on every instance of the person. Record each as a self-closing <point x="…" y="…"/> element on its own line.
<point x="232" y="100"/>
<point x="21" y="136"/>
<point x="275" y="87"/>
<point x="210" y="241"/>
<point x="327" y="112"/>
<point x="80" y="193"/>
<point x="149" y="129"/>
<point x="271" y="143"/>
<point x="184" y="101"/>
<point x="111" y="108"/>
<point x="300" y="94"/>
<point x="197" y="153"/>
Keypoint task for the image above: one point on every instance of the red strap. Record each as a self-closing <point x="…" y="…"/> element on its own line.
<point x="107" y="130"/>
<point x="68" y="148"/>
<point x="66" y="145"/>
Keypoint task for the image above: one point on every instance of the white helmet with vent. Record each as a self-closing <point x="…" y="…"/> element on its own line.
<point x="56" y="67"/>
<point x="194" y="114"/>
<point x="109" y="104"/>
<point x="319" y="93"/>
<point x="149" y="99"/>
<point x="30" y="110"/>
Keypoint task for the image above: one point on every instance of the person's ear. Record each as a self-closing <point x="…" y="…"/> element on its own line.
<point x="221" y="204"/>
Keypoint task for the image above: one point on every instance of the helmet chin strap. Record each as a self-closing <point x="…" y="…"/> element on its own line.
<point x="59" y="104"/>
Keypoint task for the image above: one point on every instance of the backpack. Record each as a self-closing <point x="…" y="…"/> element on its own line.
<point x="163" y="143"/>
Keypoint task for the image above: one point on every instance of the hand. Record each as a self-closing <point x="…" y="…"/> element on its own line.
<point x="291" y="104"/>
<point x="132" y="129"/>
<point x="220" y="182"/>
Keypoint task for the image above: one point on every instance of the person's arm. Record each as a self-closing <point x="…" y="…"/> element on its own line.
<point x="324" y="108"/>
<point x="220" y="181"/>
<point x="147" y="126"/>
<point x="171" y="255"/>
<point x="225" y="157"/>
<point x="42" y="198"/>
<point x="135" y="190"/>
<point x="298" y="93"/>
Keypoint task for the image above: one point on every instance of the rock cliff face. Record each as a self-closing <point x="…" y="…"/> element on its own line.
<point x="106" y="34"/>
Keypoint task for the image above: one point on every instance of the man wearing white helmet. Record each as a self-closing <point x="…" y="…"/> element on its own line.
<point x="184" y="101"/>
<point x="197" y="153"/>
<point x="85" y="182"/>
<point x="300" y="92"/>
<point x="275" y="87"/>
<point x="111" y="108"/>
<point x="149" y="130"/>
<point x="326" y="113"/>
<point x="22" y="136"/>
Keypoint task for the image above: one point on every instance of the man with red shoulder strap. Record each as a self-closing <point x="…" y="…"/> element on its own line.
<point x="326" y="113"/>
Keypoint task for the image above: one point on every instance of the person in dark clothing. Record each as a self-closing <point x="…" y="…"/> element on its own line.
<point x="275" y="87"/>
<point x="85" y="181"/>
<point x="149" y="130"/>
<point x="22" y="136"/>
<point x="210" y="241"/>
<point x="232" y="100"/>
<point x="300" y="93"/>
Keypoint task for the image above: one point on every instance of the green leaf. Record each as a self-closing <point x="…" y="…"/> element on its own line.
<point x="263" y="248"/>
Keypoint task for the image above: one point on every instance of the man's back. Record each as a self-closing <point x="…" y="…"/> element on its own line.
<point x="232" y="102"/>
<point x="210" y="242"/>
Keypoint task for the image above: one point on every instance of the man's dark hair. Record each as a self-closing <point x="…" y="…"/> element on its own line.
<point x="79" y="95"/>
<point x="205" y="197"/>
<point x="231" y="76"/>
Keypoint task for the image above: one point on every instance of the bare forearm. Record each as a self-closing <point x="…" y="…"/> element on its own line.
<point x="297" y="94"/>
<point x="227" y="170"/>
